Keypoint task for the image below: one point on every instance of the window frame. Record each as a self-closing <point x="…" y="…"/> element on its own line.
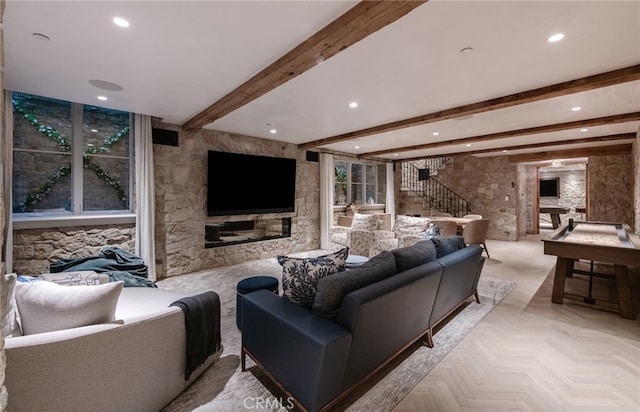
<point x="363" y="185"/>
<point x="77" y="216"/>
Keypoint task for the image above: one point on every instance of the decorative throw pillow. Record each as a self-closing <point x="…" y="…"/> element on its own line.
<point x="46" y="306"/>
<point x="410" y="226"/>
<point x="332" y="289"/>
<point x="447" y="244"/>
<point x="407" y="257"/>
<point x="364" y="222"/>
<point x="11" y="319"/>
<point x="300" y="276"/>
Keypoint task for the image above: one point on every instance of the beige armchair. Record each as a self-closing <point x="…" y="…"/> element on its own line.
<point x="475" y="233"/>
<point x="407" y="231"/>
<point x="364" y="229"/>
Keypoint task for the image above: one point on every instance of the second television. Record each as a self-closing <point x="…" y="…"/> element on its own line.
<point x="240" y="184"/>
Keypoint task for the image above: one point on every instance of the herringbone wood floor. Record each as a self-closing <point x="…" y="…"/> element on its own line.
<point x="530" y="354"/>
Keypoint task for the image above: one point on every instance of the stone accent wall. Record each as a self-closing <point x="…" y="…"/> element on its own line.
<point x="527" y="181"/>
<point x="489" y="183"/>
<point x="611" y="189"/>
<point x="572" y="193"/>
<point x="180" y="174"/>
<point x="35" y="249"/>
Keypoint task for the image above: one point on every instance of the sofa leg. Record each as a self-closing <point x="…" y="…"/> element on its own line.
<point x="428" y="338"/>
<point x="477" y="297"/>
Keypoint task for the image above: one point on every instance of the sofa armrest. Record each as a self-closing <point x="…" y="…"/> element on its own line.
<point x="409" y="240"/>
<point x="304" y="352"/>
<point x="339" y="229"/>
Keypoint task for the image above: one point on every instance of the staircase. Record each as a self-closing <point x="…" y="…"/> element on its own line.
<point x="434" y="196"/>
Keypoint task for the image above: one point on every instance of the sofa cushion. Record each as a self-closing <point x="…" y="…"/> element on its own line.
<point x="46" y="306"/>
<point x="11" y="318"/>
<point x="364" y="222"/>
<point x="410" y="226"/>
<point x="332" y="289"/>
<point x="407" y="257"/>
<point x="300" y="276"/>
<point x="447" y="244"/>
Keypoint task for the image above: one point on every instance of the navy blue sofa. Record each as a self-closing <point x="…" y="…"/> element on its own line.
<point x="318" y="357"/>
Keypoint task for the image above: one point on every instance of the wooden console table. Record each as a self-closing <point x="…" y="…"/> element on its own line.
<point x="555" y="213"/>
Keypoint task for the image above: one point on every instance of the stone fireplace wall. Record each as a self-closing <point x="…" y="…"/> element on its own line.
<point x="610" y="180"/>
<point x="181" y="216"/>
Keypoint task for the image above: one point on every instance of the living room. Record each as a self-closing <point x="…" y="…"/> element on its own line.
<point x="500" y="187"/>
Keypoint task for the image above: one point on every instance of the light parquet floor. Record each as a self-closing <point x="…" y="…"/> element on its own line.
<point x="530" y="354"/>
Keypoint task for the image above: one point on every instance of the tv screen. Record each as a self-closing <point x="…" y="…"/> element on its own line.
<point x="549" y="188"/>
<point x="240" y="184"/>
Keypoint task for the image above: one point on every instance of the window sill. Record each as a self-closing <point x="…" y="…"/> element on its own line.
<point x="41" y="221"/>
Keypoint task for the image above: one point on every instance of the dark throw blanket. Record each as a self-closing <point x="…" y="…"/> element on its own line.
<point x="118" y="263"/>
<point x="202" y="322"/>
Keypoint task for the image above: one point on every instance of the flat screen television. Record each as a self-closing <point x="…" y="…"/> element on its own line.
<point x="241" y="184"/>
<point x="550" y="187"/>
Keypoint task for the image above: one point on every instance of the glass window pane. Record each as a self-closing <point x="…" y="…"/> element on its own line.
<point x="371" y="194"/>
<point x="105" y="131"/>
<point x="357" y="178"/>
<point x="340" y="179"/>
<point x="106" y="183"/>
<point x="41" y="182"/>
<point x="40" y="123"/>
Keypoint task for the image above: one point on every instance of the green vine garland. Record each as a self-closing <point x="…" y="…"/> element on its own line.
<point x="52" y="134"/>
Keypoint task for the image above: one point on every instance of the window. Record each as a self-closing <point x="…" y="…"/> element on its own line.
<point x="358" y="183"/>
<point x="69" y="158"/>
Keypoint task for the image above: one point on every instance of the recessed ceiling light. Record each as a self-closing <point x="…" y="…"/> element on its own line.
<point x="504" y="150"/>
<point x="435" y="133"/>
<point x="583" y="130"/>
<point x="103" y="98"/>
<point x="467" y="117"/>
<point x="468" y="145"/>
<point x="41" y="36"/>
<point x="357" y="147"/>
<point x="273" y="131"/>
<point x="556" y="37"/>
<point x="105" y="85"/>
<point x="94" y="130"/>
<point x="395" y="154"/>
<point x="576" y="109"/>
<point x="119" y="21"/>
<point x="353" y="105"/>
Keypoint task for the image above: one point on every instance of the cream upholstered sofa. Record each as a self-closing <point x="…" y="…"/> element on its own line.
<point x="364" y="230"/>
<point x="134" y="363"/>
<point x="407" y="231"/>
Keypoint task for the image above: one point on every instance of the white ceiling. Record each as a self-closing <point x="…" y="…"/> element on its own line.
<point x="179" y="57"/>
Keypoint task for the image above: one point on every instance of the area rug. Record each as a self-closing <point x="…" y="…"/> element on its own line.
<point x="224" y="387"/>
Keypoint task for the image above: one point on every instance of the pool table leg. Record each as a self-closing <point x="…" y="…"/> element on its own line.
<point x="624" y="291"/>
<point x="564" y="268"/>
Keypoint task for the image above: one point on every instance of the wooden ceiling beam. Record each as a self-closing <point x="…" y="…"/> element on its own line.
<point x="567" y="154"/>
<point x="610" y="78"/>
<point x="596" y="139"/>
<point x="599" y="121"/>
<point x="360" y="21"/>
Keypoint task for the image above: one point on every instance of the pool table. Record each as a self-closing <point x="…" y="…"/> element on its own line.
<point x="613" y="243"/>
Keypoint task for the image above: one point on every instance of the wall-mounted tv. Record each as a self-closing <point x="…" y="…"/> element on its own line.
<point x="240" y="184"/>
<point x="550" y="187"/>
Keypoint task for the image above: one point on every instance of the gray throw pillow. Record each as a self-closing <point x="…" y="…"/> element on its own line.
<point x="332" y="289"/>
<point x="447" y="244"/>
<point x="411" y="256"/>
<point x="300" y="276"/>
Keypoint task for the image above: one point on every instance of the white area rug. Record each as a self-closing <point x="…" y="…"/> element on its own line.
<point x="224" y="387"/>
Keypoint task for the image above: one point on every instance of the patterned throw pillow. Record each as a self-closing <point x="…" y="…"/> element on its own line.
<point x="300" y="276"/>
<point x="364" y="222"/>
<point x="410" y="226"/>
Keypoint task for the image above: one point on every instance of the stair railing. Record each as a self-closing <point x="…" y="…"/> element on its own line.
<point x="434" y="194"/>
